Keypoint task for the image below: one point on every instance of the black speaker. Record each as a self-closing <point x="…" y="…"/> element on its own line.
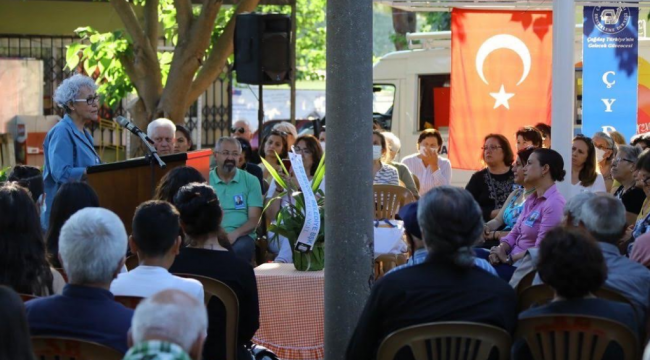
<point x="262" y="48"/>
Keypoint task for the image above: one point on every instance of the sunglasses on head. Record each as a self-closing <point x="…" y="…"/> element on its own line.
<point x="240" y="130"/>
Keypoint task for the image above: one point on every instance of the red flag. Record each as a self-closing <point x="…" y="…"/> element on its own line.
<point x="500" y="78"/>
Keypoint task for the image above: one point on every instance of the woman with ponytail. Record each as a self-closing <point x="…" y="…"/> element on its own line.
<point x="208" y="253"/>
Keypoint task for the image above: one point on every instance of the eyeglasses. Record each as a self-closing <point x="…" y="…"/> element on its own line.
<point x="617" y="160"/>
<point x="300" y="150"/>
<point x="91" y="100"/>
<point x="279" y="133"/>
<point x="240" y="130"/>
<point x="600" y="147"/>
<point x="227" y="153"/>
<point x="491" y="148"/>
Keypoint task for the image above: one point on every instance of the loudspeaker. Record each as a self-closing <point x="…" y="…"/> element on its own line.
<point x="262" y="48"/>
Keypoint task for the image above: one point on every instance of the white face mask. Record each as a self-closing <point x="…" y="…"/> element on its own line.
<point x="423" y="150"/>
<point x="322" y="145"/>
<point x="376" y="152"/>
<point x="600" y="154"/>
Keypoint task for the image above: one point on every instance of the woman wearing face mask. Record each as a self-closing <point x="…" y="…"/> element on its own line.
<point x="431" y="169"/>
<point x="584" y="177"/>
<point x="382" y="173"/>
<point x="605" y="153"/>
<point x="322" y="136"/>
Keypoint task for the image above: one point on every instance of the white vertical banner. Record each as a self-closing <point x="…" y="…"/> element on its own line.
<point x="311" y="227"/>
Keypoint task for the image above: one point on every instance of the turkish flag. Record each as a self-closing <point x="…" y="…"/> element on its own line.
<point x="500" y="78"/>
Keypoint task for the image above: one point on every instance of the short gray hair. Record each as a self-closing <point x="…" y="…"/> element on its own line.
<point x="286" y="127"/>
<point x="217" y="146"/>
<point x="451" y="223"/>
<point x="573" y="206"/>
<point x="91" y="244"/>
<point x="160" y="122"/>
<point x="69" y="89"/>
<point x="604" y="217"/>
<point x="611" y="144"/>
<point x="170" y="314"/>
<point x="630" y="152"/>
<point x="394" y="142"/>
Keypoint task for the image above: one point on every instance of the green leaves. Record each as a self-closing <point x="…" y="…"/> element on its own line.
<point x="72" y="57"/>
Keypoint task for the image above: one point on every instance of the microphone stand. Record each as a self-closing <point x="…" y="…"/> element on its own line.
<point x="153" y="158"/>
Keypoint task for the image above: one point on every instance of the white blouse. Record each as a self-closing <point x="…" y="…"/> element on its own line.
<point x="429" y="179"/>
<point x="597" y="186"/>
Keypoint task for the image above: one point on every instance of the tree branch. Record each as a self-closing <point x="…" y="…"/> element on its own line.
<point x="127" y="15"/>
<point x="184" y="16"/>
<point x="151" y="23"/>
<point x="216" y="61"/>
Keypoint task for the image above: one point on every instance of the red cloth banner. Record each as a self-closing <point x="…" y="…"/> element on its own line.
<point x="500" y="78"/>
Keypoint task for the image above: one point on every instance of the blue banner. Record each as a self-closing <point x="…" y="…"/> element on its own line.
<point x="610" y="70"/>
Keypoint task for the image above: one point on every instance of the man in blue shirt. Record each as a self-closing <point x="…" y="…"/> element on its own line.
<point x="92" y="246"/>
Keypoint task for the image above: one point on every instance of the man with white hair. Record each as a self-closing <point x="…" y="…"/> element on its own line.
<point x="604" y="218"/>
<point x="405" y="176"/>
<point x="163" y="133"/>
<point x="92" y="245"/>
<point x="287" y="127"/>
<point x="240" y="129"/>
<point x="170" y="325"/>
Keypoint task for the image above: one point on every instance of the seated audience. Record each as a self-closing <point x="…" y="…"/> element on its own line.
<point x="529" y="136"/>
<point x="246" y="162"/>
<point x="641" y="250"/>
<point x="92" y="245"/>
<point x="542" y="212"/>
<point x="163" y="133"/>
<point x="642" y="177"/>
<point x="322" y="137"/>
<point x="206" y="255"/>
<point x="431" y="169"/>
<point x="175" y="179"/>
<point x="290" y="130"/>
<point x="501" y="225"/>
<point x="274" y="144"/>
<point x="70" y="198"/>
<point x="31" y="178"/>
<point x="584" y="177"/>
<point x="623" y="167"/>
<point x="604" y="218"/>
<point x="382" y="173"/>
<point x="156" y="242"/>
<point x="574" y="267"/>
<point x="491" y="186"/>
<point x="405" y="176"/>
<point x="409" y="215"/>
<point x="240" y="195"/>
<point x="170" y="325"/>
<point x="605" y="153"/>
<point x="183" y="141"/>
<point x="446" y="287"/>
<point x="546" y="134"/>
<point x="16" y="343"/>
<point x="23" y="263"/>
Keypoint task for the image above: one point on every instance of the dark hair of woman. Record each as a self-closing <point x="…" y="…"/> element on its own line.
<point x="23" y="262"/>
<point x="313" y="145"/>
<point x="285" y="144"/>
<point x="554" y="161"/>
<point x="529" y="133"/>
<point x="524" y="154"/>
<point x="14" y="332"/>
<point x="382" y="139"/>
<point x="201" y="213"/>
<point x="430" y="133"/>
<point x="188" y="136"/>
<point x="571" y="263"/>
<point x="508" y="155"/>
<point x="174" y="180"/>
<point x="29" y="177"/>
<point x="246" y="149"/>
<point x="544" y="129"/>
<point x="70" y="198"/>
<point x="588" y="173"/>
<point x="643" y="161"/>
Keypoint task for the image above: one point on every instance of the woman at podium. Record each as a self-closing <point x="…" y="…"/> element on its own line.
<point x="68" y="147"/>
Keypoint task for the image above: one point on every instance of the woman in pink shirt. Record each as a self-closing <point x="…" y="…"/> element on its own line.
<point x="542" y="211"/>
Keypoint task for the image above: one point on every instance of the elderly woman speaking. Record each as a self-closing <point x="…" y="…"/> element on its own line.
<point x="69" y="148"/>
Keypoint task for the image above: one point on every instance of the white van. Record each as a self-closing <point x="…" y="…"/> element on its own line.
<point x="412" y="88"/>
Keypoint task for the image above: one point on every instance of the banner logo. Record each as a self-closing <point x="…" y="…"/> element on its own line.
<point x="611" y="21"/>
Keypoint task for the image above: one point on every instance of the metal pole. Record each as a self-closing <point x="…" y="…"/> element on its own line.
<point x="564" y="95"/>
<point x="349" y="197"/>
<point x="294" y="26"/>
<point x="260" y="116"/>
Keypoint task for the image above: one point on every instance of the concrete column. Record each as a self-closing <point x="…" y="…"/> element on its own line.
<point x="349" y="198"/>
<point x="564" y="94"/>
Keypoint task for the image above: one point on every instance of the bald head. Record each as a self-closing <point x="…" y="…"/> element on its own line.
<point x="172" y="316"/>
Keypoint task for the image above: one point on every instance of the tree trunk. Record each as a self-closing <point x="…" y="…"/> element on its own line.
<point x="403" y="22"/>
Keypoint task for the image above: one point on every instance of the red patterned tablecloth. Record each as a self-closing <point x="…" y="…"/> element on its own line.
<point x="291" y="311"/>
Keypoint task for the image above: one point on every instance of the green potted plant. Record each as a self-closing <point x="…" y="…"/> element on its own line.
<point x="291" y="218"/>
<point x="3" y="174"/>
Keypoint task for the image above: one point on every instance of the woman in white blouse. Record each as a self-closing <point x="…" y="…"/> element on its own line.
<point x="431" y="169"/>
<point x="584" y="177"/>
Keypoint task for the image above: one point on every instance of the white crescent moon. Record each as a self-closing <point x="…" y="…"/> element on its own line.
<point x="503" y="41"/>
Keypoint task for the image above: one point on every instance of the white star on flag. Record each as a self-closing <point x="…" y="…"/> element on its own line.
<point x="502" y="98"/>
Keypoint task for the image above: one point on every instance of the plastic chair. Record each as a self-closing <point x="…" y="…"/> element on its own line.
<point x="59" y="348"/>
<point x="543" y="294"/>
<point x="130" y="302"/>
<point x="389" y="199"/>
<point x="562" y="337"/>
<point x="216" y="288"/>
<point x="132" y="262"/>
<point x="447" y="340"/>
<point x="525" y="282"/>
<point x="27" y="297"/>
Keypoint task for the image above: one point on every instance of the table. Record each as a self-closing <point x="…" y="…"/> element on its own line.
<point x="291" y="311"/>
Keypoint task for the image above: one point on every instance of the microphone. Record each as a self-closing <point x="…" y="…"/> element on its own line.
<point x="125" y="123"/>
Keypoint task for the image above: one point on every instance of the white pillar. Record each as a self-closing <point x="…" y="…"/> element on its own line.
<point x="564" y="94"/>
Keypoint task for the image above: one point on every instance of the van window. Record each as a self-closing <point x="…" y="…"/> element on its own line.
<point x="383" y="99"/>
<point x="434" y="101"/>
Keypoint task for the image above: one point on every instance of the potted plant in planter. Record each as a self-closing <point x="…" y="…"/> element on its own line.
<point x="291" y="218"/>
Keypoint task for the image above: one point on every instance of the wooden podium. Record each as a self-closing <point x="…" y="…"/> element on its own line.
<point x="122" y="186"/>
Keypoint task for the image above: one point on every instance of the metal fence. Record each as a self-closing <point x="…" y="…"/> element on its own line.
<point x="207" y="119"/>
